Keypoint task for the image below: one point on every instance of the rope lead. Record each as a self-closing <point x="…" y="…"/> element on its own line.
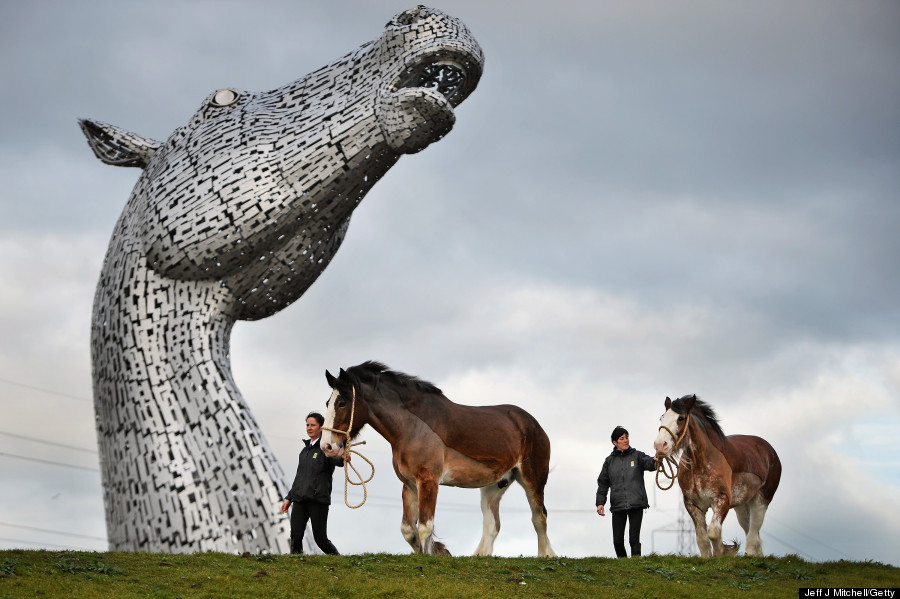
<point x="347" y="481"/>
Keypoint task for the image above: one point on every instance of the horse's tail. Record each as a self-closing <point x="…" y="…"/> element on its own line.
<point x="773" y="478"/>
<point x="535" y="462"/>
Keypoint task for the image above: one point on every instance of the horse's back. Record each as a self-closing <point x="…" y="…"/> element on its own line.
<point x="755" y="455"/>
<point x="484" y="433"/>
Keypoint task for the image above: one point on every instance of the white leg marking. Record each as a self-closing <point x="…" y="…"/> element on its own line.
<point x="426" y="536"/>
<point x="757" y="515"/>
<point x="490" y="505"/>
<point x="408" y="526"/>
<point x="538" y="519"/>
<point x="699" y="518"/>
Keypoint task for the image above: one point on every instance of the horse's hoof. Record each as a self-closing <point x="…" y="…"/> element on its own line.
<point x="440" y="549"/>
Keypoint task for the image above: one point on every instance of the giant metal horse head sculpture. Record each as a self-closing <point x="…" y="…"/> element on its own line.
<point x="233" y="218"/>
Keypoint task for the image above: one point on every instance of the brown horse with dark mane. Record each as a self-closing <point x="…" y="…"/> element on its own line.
<point x="718" y="472"/>
<point x="437" y="442"/>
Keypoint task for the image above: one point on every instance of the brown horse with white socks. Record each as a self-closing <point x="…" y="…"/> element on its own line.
<point x="437" y="442"/>
<point x="718" y="472"/>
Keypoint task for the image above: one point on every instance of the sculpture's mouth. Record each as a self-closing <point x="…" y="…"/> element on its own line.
<point x="447" y="78"/>
<point x="416" y="109"/>
<point x="452" y="75"/>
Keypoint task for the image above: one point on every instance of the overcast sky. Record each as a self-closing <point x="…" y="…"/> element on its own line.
<point x="639" y="200"/>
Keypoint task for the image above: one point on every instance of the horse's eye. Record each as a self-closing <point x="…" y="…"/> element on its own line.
<point x="340" y="403"/>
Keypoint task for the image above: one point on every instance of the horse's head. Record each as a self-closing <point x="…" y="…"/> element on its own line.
<point x="347" y="412"/>
<point x="673" y="425"/>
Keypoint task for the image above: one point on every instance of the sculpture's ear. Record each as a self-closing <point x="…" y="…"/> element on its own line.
<point x="331" y="380"/>
<point x="668" y="403"/>
<point x="116" y="146"/>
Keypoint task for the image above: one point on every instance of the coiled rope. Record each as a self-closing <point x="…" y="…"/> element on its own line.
<point x="347" y="449"/>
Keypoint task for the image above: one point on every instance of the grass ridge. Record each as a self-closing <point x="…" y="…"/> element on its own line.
<point x="27" y="573"/>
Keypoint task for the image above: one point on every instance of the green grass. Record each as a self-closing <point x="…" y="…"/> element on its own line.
<point x="122" y="575"/>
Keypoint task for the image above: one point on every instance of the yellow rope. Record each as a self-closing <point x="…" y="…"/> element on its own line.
<point x="347" y="450"/>
<point x="360" y="482"/>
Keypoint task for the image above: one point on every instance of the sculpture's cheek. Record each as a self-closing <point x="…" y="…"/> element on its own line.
<point x="413" y="118"/>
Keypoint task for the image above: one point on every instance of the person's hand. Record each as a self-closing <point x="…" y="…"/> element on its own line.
<point x="600" y="510"/>
<point x="285" y="506"/>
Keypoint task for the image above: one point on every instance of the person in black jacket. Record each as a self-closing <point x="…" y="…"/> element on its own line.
<point x="311" y="492"/>
<point x="623" y="477"/>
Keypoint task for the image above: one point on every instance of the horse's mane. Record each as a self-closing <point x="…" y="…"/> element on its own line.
<point x="377" y="374"/>
<point x="703" y="409"/>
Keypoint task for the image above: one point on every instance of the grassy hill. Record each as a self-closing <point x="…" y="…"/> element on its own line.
<point x="121" y="575"/>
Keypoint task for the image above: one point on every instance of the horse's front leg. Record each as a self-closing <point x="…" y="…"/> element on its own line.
<point x="427" y="487"/>
<point x="699" y="518"/>
<point x="409" y="524"/>
<point x="719" y="512"/>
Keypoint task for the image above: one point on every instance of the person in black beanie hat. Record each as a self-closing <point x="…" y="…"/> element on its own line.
<point x="622" y="477"/>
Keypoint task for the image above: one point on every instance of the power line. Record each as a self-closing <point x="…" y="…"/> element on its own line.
<point x="789" y="546"/>
<point x="47" y="391"/>
<point x="803" y="534"/>
<point x="22" y="457"/>
<point x="35" y="440"/>
<point x="7" y="540"/>
<point x="56" y="532"/>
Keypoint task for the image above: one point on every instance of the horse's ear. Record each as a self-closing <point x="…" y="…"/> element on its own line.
<point x="668" y="403"/>
<point x="331" y="380"/>
<point x="342" y="374"/>
<point x="689" y="403"/>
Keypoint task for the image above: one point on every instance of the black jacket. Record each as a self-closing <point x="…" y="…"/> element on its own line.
<point x="623" y="475"/>
<point x="314" y="472"/>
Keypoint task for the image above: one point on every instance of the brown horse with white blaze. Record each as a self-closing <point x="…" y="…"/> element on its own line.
<point x="438" y="442"/>
<point x="718" y="472"/>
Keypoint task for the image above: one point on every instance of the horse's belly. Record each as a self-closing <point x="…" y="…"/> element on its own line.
<point x="744" y="487"/>
<point x="461" y="471"/>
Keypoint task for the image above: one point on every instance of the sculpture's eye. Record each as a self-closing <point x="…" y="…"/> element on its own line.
<point x="224" y="97"/>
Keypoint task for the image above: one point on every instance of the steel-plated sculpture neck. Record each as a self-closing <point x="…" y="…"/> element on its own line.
<point x="234" y="217"/>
